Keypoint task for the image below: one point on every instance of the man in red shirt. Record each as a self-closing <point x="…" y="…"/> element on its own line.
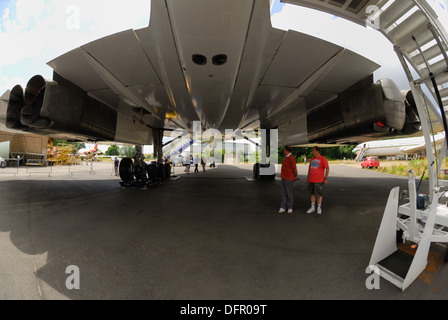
<point x="317" y="178"/>
<point x="289" y="175"/>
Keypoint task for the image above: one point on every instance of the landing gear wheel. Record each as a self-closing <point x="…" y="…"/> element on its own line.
<point x="167" y="170"/>
<point x="256" y="171"/>
<point x="161" y="174"/>
<point x="125" y="169"/>
<point x="399" y="236"/>
<point x="151" y="169"/>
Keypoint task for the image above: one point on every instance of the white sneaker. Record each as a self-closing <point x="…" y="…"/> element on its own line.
<point x="311" y="210"/>
<point x="281" y="211"/>
<point x="289" y="211"/>
<point x="319" y="210"/>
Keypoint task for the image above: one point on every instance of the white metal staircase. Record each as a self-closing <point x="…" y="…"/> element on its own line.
<point x="421" y="40"/>
<point x="421" y="44"/>
<point x="360" y="154"/>
<point x="177" y="147"/>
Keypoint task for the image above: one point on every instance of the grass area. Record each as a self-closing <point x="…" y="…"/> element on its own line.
<point x="417" y="166"/>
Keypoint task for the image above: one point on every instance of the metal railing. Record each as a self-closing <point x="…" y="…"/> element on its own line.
<point x="44" y="169"/>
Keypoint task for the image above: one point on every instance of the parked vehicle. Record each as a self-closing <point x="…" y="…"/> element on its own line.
<point x="370" y="162"/>
<point x="2" y="163"/>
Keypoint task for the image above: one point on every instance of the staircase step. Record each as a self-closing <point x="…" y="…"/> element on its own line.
<point x="428" y="55"/>
<point x="423" y="36"/>
<point x="398" y="263"/>
<point x="408" y="27"/>
<point x="444" y="93"/>
<point x="394" y="12"/>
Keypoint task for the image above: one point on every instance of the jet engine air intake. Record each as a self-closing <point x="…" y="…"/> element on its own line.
<point x="379" y="106"/>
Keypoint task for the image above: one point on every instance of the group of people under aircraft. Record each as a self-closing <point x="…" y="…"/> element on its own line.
<point x="194" y="160"/>
<point x="318" y="172"/>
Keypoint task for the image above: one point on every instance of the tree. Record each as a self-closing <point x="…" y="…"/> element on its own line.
<point x="113" y="151"/>
<point x="127" y="151"/>
<point x="79" y="145"/>
<point x="331" y="153"/>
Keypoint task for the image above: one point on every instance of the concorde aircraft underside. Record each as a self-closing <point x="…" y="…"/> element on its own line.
<point x="222" y="65"/>
<point x="218" y="62"/>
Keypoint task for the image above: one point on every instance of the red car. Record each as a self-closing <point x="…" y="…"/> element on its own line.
<point x="370" y="162"/>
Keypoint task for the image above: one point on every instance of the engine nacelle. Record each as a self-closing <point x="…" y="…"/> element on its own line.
<point x="373" y="109"/>
<point x="412" y="123"/>
<point x="46" y="107"/>
<point x="14" y="110"/>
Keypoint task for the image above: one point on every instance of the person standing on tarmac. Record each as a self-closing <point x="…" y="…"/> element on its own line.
<point x="289" y="175"/>
<point x="196" y="163"/>
<point x="116" y="164"/>
<point x="318" y="172"/>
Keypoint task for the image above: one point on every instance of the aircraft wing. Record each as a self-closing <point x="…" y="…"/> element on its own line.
<point x="415" y="149"/>
<point x="217" y="62"/>
<point x="304" y="76"/>
<point x="438" y="139"/>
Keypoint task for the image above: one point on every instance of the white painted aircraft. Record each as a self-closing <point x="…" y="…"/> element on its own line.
<point x="219" y="63"/>
<point x="394" y="147"/>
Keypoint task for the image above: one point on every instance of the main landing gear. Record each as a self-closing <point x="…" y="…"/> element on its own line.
<point x="140" y="174"/>
<point x="143" y="175"/>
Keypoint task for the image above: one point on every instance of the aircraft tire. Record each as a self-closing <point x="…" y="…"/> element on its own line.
<point x="256" y="171"/>
<point x="160" y="171"/>
<point x="167" y="170"/>
<point x="399" y="236"/>
<point x="125" y="170"/>
<point x="151" y="169"/>
<point x="268" y="178"/>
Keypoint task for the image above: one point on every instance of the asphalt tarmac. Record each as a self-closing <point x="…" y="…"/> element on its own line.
<point x="211" y="235"/>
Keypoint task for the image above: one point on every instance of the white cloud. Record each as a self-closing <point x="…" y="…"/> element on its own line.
<point x="28" y="12"/>
<point x="6" y="14"/>
<point x="38" y="30"/>
<point x="10" y="82"/>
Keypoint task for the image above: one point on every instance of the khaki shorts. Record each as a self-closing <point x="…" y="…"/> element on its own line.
<point x="316" y="189"/>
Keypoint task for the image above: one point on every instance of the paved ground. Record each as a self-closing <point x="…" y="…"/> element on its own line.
<point x="212" y="235"/>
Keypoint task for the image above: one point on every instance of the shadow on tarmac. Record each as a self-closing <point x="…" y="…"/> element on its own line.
<point x="212" y="235"/>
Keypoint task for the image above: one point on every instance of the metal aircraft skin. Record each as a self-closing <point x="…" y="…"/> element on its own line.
<point x="89" y="154"/>
<point x="394" y="147"/>
<point x="217" y="62"/>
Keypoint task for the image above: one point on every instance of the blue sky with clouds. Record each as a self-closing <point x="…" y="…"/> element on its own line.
<point x="33" y="32"/>
<point x="277" y="7"/>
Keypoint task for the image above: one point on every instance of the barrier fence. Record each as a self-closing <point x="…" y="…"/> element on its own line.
<point x="57" y="169"/>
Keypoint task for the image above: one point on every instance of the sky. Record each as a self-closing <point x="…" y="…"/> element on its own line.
<point x="33" y="32"/>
